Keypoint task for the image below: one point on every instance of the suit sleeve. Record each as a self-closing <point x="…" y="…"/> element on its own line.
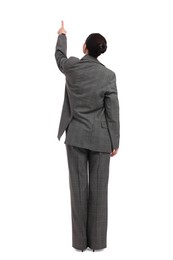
<point x="61" y="52"/>
<point x="112" y="112"/>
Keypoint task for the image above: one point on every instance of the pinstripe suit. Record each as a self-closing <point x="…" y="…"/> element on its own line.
<point x="90" y="117"/>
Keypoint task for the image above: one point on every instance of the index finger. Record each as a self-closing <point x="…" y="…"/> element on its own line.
<point x="62" y="23"/>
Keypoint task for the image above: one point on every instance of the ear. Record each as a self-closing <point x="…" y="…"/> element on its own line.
<point x="85" y="50"/>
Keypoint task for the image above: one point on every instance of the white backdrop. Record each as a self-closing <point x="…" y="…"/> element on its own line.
<point x="35" y="217"/>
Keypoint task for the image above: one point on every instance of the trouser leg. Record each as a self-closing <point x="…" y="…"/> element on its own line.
<point x="78" y="179"/>
<point x="97" y="204"/>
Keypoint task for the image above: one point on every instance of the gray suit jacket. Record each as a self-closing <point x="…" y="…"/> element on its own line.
<point x="90" y="113"/>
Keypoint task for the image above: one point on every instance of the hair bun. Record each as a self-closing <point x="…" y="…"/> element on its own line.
<point x="102" y="47"/>
<point x="96" y="44"/>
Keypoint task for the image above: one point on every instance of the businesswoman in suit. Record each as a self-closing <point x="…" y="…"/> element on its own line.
<point x="90" y="117"/>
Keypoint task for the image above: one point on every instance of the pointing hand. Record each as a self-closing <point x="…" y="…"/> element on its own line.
<point x="62" y="30"/>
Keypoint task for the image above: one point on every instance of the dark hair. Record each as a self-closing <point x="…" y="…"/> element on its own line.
<point x="96" y="44"/>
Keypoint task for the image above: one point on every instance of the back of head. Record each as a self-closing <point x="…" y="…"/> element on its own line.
<point x="96" y="44"/>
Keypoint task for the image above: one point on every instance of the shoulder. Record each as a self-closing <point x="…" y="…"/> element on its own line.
<point x="110" y="73"/>
<point x="72" y="61"/>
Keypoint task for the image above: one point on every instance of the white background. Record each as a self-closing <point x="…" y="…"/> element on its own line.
<point x="35" y="220"/>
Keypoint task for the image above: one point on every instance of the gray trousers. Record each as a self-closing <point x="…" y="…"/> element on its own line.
<point x="88" y="178"/>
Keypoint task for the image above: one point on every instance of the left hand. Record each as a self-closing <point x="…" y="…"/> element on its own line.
<point x="62" y="30"/>
<point x="114" y="152"/>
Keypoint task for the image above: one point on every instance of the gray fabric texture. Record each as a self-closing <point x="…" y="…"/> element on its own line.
<point x="90" y="113"/>
<point x="88" y="178"/>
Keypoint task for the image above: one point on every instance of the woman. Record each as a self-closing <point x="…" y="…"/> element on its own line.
<point x="90" y="117"/>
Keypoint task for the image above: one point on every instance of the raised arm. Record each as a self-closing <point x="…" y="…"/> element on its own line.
<point x="61" y="48"/>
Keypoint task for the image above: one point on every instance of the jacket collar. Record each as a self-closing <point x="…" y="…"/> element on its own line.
<point x="91" y="59"/>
